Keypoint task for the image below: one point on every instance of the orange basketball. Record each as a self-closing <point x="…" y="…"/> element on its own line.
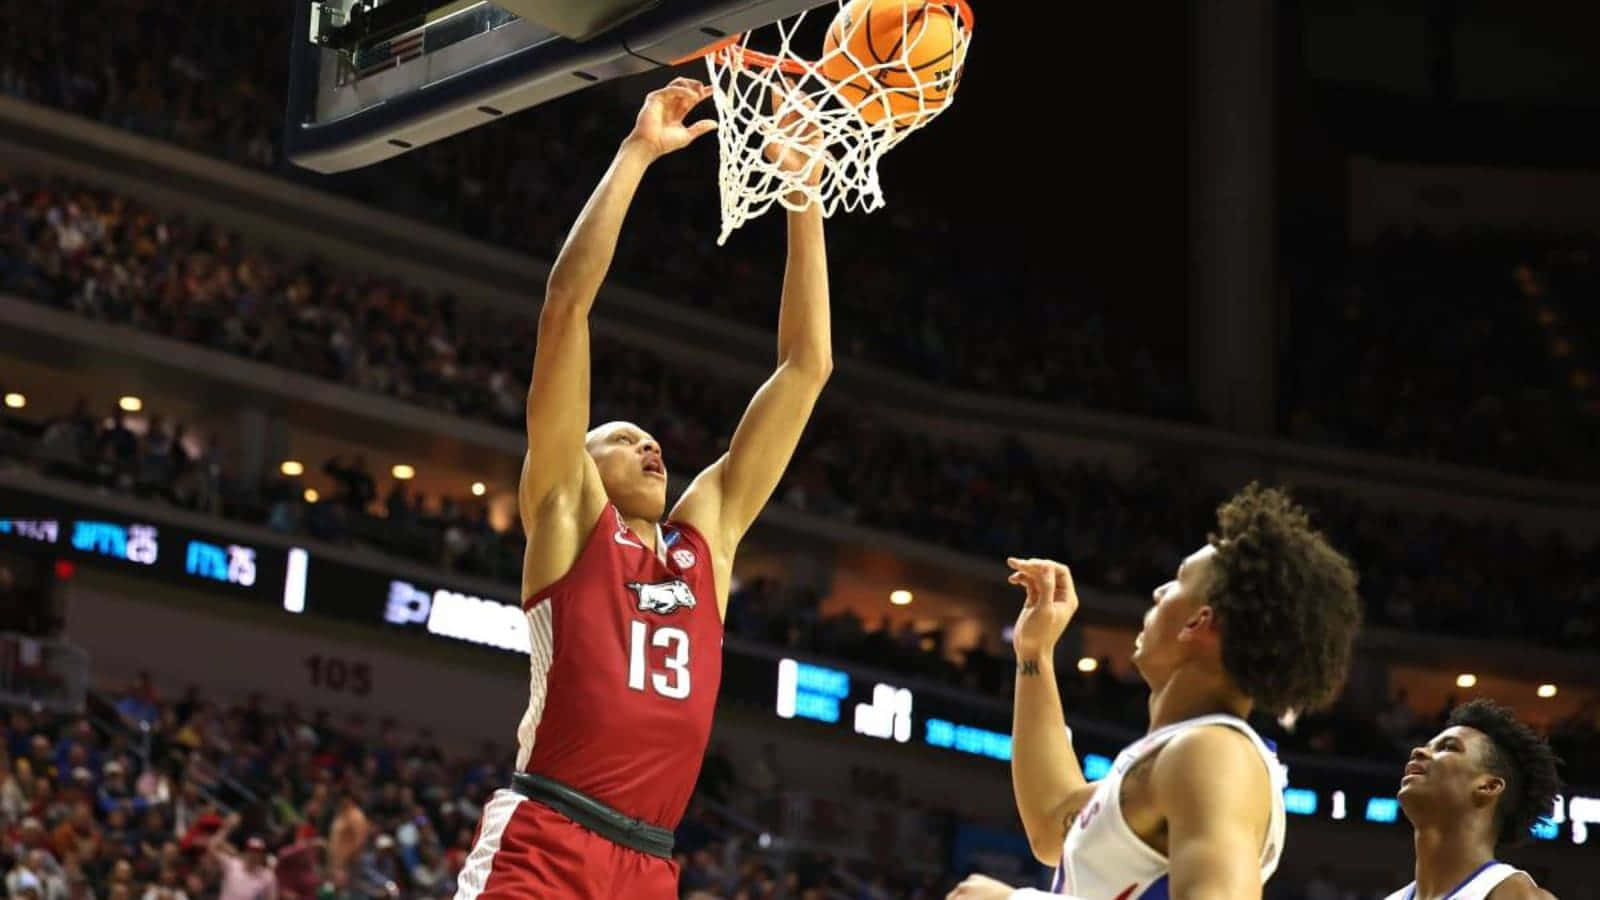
<point x="894" y="58"/>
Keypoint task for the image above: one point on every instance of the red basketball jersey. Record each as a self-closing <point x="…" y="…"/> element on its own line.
<point x="626" y="661"/>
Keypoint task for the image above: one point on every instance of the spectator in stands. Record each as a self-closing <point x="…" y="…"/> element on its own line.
<point x="118" y="448"/>
<point x="138" y="707"/>
<point x="10" y="596"/>
<point x="78" y="834"/>
<point x="25" y="885"/>
<point x="1431" y="575"/>
<point x="298" y="868"/>
<point x="1399" y="722"/>
<point x="717" y="776"/>
<point x="39" y="869"/>
<point x="347" y="836"/>
<point x="13" y="802"/>
<point x="245" y="876"/>
<point x="115" y="792"/>
<point x="356" y="487"/>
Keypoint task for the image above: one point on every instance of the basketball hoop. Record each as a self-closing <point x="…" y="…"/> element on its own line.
<point x="886" y="69"/>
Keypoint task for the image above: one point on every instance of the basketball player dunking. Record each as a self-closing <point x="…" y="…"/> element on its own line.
<point x="1262" y="617"/>
<point x="1481" y="782"/>
<point x="625" y="611"/>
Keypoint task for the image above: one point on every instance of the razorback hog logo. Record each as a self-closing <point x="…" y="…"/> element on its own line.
<point x="665" y="597"/>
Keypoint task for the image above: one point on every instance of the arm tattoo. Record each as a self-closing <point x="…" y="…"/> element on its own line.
<point x="1028" y="667"/>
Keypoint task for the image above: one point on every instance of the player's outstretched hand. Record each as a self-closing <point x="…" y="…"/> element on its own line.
<point x="795" y="144"/>
<point x="660" y="127"/>
<point x="980" y="887"/>
<point x="1049" y="606"/>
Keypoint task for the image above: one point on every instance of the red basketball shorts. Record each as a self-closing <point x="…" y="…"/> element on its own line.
<point x="528" y="851"/>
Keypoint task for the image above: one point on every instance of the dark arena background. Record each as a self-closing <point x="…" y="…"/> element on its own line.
<point x="262" y="430"/>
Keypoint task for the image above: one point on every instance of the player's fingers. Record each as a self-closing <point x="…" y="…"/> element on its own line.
<point x="1030" y="594"/>
<point x="683" y="97"/>
<point x="1026" y="564"/>
<point x="704" y="126"/>
<point x="1047" y="583"/>
<point x="1037" y="574"/>
<point x="1065" y="588"/>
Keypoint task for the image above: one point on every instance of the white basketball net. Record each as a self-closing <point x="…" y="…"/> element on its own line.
<point x="743" y="83"/>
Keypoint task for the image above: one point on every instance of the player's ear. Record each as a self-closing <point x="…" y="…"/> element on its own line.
<point x="1200" y="621"/>
<point x="1489" y="787"/>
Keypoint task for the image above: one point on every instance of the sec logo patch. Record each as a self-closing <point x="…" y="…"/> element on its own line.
<point x="683" y="558"/>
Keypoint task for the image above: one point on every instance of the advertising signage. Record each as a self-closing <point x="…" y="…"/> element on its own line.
<point x="857" y="705"/>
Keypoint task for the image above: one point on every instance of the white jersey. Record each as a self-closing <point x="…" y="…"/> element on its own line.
<point x="1102" y="859"/>
<point x="1476" y="887"/>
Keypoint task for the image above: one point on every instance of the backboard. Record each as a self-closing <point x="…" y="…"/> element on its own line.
<point x="371" y="79"/>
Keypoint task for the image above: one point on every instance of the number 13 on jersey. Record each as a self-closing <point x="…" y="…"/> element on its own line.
<point x="673" y="681"/>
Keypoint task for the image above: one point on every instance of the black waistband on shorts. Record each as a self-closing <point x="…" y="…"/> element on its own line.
<point x="594" y="815"/>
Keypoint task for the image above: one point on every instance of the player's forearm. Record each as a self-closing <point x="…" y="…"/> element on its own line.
<point x="586" y="256"/>
<point x="1044" y="768"/>
<point x="805" y="339"/>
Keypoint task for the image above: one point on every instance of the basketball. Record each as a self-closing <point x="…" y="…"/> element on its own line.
<point x="894" y="58"/>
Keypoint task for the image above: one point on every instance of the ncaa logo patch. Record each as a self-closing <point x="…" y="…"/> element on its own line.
<point x="683" y="558"/>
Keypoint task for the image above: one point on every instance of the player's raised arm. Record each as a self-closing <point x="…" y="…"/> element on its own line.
<point x="1216" y="795"/>
<point x="558" y="396"/>
<point x="1045" y="775"/>
<point x="725" y="499"/>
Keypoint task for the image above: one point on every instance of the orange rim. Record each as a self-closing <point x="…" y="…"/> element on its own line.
<point x="757" y="59"/>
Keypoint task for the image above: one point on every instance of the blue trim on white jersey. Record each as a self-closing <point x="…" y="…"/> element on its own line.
<point x="1158" y="890"/>
<point x="1411" y="892"/>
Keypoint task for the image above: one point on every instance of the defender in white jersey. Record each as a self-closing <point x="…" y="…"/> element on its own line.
<point x="1262" y="617"/>
<point x="1481" y="782"/>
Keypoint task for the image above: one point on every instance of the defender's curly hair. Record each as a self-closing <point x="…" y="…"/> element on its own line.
<point x="1522" y="758"/>
<point x="1285" y="601"/>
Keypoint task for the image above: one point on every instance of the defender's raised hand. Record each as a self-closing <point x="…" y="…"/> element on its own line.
<point x="1051" y="602"/>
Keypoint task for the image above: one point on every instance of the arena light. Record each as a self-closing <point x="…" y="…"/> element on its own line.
<point x="900" y="597"/>
<point x="403" y="472"/>
<point x="1466" y="680"/>
<point x="479" y="489"/>
<point x="968" y="739"/>
<point x="1547" y="691"/>
<point x="292" y="468"/>
<point x="1088" y="664"/>
<point x="1383" y="809"/>
<point x="130" y="403"/>
<point x="312" y="496"/>
<point x="15" y="400"/>
<point x="810" y="692"/>
<point x="1095" y="766"/>
<point x="294" y="581"/>
<point x="1300" y="801"/>
<point x="888" y="715"/>
<point x="1583" y="811"/>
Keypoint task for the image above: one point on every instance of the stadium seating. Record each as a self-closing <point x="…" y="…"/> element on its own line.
<point x="77" y="247"/>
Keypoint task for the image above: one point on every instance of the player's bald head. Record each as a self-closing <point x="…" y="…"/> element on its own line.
<point x="600" y="433"/>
